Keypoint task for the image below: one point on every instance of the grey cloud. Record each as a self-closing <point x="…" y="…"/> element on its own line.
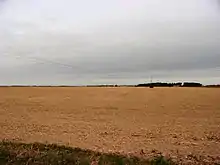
<point x="112" y="41"/>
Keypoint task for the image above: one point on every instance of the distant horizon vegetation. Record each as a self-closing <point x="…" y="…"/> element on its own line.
<point x="153" y="84"/>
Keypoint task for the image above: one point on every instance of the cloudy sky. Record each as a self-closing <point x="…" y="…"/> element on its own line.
<point x="109" y="41"/>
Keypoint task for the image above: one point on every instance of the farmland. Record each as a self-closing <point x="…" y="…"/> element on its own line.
<point x="126" y="120"/>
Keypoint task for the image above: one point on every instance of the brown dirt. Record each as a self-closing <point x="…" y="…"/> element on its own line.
<point x="176" y="121"/>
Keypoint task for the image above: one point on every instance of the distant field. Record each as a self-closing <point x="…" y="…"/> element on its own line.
<point x="174" y="121"/>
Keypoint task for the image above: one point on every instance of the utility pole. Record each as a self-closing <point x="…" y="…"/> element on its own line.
<point x="151" y="81"/>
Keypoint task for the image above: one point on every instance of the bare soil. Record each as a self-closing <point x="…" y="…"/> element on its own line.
<point x="139" y="121"/>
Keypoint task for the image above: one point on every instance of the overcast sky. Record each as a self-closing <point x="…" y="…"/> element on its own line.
<point x="83" y="42"/>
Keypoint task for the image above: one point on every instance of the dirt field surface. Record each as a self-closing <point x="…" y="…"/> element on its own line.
<point x="174" y="121"/>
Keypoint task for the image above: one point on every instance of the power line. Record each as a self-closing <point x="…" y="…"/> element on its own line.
<point x="45" y="61"/>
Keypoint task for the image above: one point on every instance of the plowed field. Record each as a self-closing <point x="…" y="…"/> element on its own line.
<point x="176" y="121"/>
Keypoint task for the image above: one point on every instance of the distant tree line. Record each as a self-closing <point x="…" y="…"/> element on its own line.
<point x="104" y="85"/>
<point x="192" y="84"/>
<point x="178" y="84"/>
<point x="213" y="86"/>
